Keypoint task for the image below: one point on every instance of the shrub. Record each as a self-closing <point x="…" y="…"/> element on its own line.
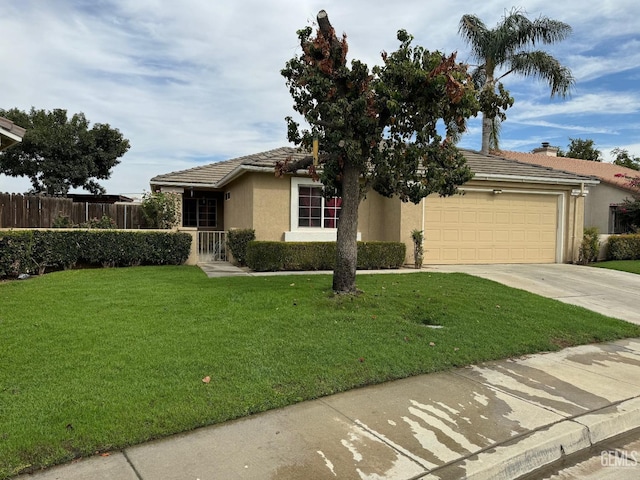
<point x="160" y="209"/>
<point x="418" y="248"/>
<point x="38" y="251"/>
<point x="102" y="223"/>
<point x="377" y="255"/>
<point x="62" y="221"/>
<point x="55" y="250"/>
<point x="590" y="246"/>
<point x="275" y="256"/>
<point x="15" y="253"/>
<point x="237" y="241"/>
<point x="623" y="247"/>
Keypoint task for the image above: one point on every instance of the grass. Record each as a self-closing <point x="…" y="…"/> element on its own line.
<point x="631" y="266"/>
<point x="96" y="360"/>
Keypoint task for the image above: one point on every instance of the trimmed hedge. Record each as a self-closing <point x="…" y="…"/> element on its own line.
<point x="237" y="241"/>
<point x="293" y="256"/>
<point x="35" y="251"/>
<point x="623" y="247"/>
<point x="15" y="253"/>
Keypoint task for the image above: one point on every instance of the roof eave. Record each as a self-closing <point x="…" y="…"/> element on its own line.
<point x="181" y="184"/>
<point x="240" y="170"/>
<point x="525" y="179"/>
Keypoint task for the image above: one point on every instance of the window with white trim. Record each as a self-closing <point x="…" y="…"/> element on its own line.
<point x="316" y="211"/>
<point x="313" y="217"/>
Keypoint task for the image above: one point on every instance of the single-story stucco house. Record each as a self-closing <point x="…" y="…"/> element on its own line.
<point x="602" y="203"/>
<point x="510" y="212"/>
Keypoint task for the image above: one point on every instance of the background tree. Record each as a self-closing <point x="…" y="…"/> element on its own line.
<point x="377" y="129"/>
<point x="624" y="159"/>
<point x="583" y="149"/>
<point x="58" y="153"/>
<point x="506" y="49"/>
<point x="629" y="211"/>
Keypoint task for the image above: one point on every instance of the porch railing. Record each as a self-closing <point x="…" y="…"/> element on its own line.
<point x="212" y="247"/>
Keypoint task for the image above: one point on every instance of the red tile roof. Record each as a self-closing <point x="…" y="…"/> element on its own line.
<point x="606" y="172"/>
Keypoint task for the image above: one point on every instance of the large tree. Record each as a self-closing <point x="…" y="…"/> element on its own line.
<point x="624" y="159"/>
<point x="510" y="48"/>
<point x="583" y="149"/>
<point x="377" y="129"/>
<point x="58" y="153"/>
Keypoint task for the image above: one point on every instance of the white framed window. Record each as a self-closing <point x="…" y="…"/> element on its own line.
<point x="313" y="217"/>
<point x="314" y="210"/>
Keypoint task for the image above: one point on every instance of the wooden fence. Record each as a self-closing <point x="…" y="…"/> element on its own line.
<point x="35" y="211"/>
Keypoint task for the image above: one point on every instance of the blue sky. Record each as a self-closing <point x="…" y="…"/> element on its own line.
<point x="198" y="81"/>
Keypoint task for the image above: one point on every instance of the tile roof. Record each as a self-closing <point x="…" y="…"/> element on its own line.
<point x="483" y="166"/>
<point x="606" y="172"/>
<point x="209" y="175"/>
<point x="492" y="166"/>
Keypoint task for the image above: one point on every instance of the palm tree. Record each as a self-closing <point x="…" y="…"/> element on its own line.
<point x="508" y="48"/>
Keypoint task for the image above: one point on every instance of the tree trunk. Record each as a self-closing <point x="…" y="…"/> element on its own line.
<point x="487" y="126"/>
<point x="344" y="275"/>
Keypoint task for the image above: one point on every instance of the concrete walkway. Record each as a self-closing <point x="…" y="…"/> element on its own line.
<point x="499" y="420"/>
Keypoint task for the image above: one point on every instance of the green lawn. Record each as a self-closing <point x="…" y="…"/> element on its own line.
<point x="631" y="266"/>
<point x="95" y="360"/>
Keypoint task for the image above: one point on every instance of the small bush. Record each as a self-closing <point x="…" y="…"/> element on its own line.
<point x="590" y="246"/>
<point x="418" y="247"/>
<point x="62" y="221"/>
<point x="105" y="222"/>
<point x="237" y="241"/>
<point x="292" y="256"/>
<point x="623" y="247"/>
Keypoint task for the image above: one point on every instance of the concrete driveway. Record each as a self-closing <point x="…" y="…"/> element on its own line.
<point x="612" y="293"/>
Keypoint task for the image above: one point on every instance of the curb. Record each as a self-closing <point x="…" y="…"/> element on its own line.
<point x="543" y="447"/>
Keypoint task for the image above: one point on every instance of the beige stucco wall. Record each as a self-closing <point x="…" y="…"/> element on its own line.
<point x="271" y="205"/>
<point x="597" y="205"/>
<point x="239" y="206"/>
<point x="379" y="218"/>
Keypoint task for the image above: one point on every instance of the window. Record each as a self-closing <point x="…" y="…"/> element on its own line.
<point x="199" y="212"/>
<point x="316" y="211"/>
<point x="313" y="217"/>
<point x="618" y="222"/>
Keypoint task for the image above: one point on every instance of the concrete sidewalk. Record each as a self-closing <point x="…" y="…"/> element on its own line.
<point x="493" y="421"/>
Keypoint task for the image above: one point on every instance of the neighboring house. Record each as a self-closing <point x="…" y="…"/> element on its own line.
<point x="10" y="133"/>
<point x="511" y="212"/>
<point x="603" y="201"/>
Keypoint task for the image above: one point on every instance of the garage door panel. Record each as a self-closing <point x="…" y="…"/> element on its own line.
<point x="482" y="227"/>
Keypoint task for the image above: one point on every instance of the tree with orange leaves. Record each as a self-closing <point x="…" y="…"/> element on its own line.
<point x="377" y="129"/>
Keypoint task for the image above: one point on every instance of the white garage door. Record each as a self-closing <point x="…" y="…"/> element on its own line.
<point x="482" y="227"/>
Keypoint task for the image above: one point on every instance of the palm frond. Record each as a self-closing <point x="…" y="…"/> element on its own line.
<point x="517" y="32"/>
<point x="474" y="32"/>
<point x="545" y="67"/>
